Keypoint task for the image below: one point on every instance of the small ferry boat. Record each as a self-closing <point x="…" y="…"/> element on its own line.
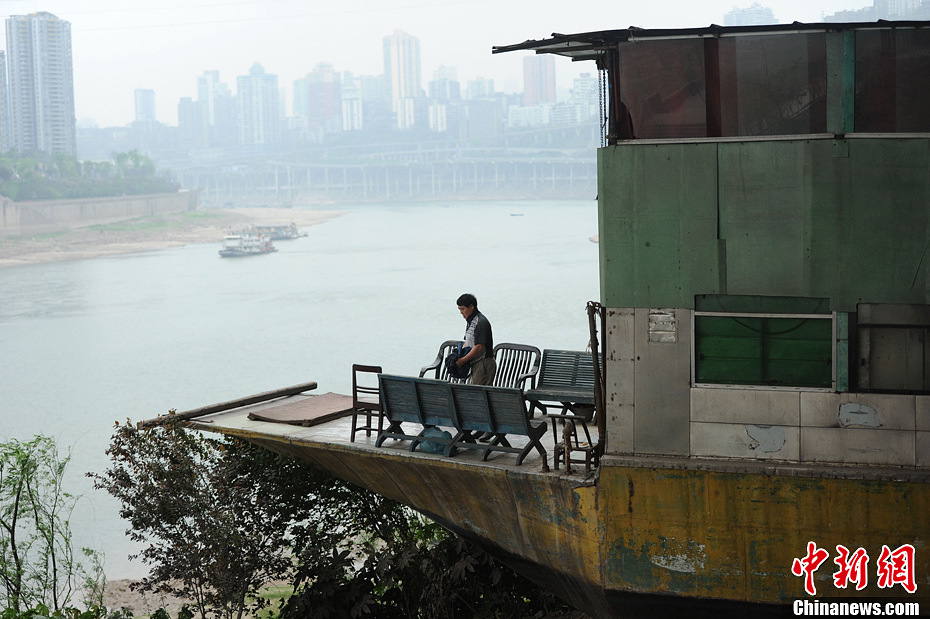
<point x="283" y="232"/>
<point x="238" y="245"/>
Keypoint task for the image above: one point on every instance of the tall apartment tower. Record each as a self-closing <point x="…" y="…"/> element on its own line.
<point x="41" y="83"/>
<point x="352" y="105"/>
<point x="318" y="98"/>
<point x="895" y="9"/>
<point x="259" y="107"/>
<point x="6" y="129"/>
<point x="402" y="72"/>
<point x="145" y="105"/>
<point x="218" y="107"/>
<point x="538" y="80"/>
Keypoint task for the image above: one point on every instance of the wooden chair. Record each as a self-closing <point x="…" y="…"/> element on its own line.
<point x="366" y="400"/>
<point x="582" y="414"/>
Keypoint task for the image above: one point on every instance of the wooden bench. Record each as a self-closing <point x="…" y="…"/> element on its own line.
<point x="468" y="409"/>
<point x="517" y="365"/>
<point x="567" y="377"/>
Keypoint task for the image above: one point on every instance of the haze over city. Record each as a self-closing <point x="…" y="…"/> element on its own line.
<point x="122" y="46"/>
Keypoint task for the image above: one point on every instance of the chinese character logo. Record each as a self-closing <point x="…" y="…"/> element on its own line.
<point x="896" y="567"/>
<point x="808" y="564"/>
<point x="851" y="569"/>
<point x="893" y="567"/>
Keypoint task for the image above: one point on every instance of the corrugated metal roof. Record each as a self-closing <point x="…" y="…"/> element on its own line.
<point x="587" y="45"/>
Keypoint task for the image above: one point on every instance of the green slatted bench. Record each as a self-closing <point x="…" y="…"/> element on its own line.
<point x="469" y="409"/>
<point x="566" y="377"/>
<point x="517" y="364"/>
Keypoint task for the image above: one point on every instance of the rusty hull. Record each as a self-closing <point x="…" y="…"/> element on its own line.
<point x="644" y="534"/>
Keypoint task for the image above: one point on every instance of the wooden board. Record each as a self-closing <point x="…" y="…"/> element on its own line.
<point x="309" y="411"/>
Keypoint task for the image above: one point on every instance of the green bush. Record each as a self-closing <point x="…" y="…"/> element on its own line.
<point x="221" y="518"/>
<point x="49" y="177"/>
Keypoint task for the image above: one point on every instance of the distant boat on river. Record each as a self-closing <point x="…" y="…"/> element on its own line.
<point x="240" y="245"/>
<point x="283" y="232"/>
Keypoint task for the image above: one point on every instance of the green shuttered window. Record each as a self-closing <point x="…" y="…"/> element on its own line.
<point x="764" y="349"/>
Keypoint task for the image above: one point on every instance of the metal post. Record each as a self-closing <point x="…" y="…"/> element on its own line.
<point x="599" y="359"/>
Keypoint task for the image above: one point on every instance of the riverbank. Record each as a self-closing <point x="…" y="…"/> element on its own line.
<point x="147" y="233"/>
<point x="117" y="594"/>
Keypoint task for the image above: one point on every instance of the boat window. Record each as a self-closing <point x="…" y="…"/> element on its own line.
<point x="764" y="341"/>
<point x="662" y="87"/>
<point x="773" y="84"/>
<point x="892" y="81"/>
<point x="733" y="86"/>
<point x="892" y="344"/>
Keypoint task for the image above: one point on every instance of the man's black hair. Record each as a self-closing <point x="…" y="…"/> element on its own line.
<point x="467" y="300"/>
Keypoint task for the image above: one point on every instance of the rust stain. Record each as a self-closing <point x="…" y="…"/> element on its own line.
<point x="629" y="503"/>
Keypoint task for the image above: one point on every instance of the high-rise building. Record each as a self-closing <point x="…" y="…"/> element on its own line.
<point x="5" y="128"/>
<point x="376" y="103"/>
<point x="145" y="105"/>
<point x="259" y="107"/>
<point x="352" y="106"/>
<point x="41" y="83"/>
<point x="479" y="88"/>
<point x="218" y="107"/>
<point x="209" y="88"/>
<point x="755" y="15"/>
<point x="884" y="9"/>
<point x="895" y="9"/>
<point x="584" y="96"/>
<point x="318" y="98"/>
<point x="444" y="86"/>
<point x="191" y="127"/>
<point x="538" y="80"/>
<point x="402" y="72"/>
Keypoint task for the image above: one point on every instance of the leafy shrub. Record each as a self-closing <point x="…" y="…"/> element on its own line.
<point x="220" y="518"/>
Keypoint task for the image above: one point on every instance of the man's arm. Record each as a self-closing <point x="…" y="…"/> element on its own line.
<point x="474" y="352"/>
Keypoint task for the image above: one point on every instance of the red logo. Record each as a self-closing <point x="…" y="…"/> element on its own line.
<point x="808" y="564"/>
<point x="893" y="567"/>
<point x="896" y="567"/>
<point x="852" y="569"/>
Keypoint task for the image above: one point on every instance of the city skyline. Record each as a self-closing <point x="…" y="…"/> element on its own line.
<point x="120" y="48"/>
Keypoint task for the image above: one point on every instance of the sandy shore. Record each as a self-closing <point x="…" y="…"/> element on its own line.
<point x="146" y="234"/>
<point x="117" y="595"/>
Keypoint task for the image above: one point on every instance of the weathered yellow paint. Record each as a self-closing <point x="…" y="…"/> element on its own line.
<point x="733" y="536"/>
<point x="544" y="519"/>
<point x="679" y="533"/>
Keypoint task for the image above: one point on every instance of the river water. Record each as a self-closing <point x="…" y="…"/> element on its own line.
<point x="87" y="342"/>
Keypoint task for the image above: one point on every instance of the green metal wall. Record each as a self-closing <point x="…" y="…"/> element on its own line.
<point x="842" y="219"/>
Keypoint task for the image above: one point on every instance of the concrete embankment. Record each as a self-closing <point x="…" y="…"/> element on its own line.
<point x="40" y="216"/>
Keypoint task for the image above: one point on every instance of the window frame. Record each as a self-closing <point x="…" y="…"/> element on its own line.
<point x="698" y="313"/>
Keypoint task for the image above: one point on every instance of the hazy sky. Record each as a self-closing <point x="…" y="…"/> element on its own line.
<point x="121" y="45"/>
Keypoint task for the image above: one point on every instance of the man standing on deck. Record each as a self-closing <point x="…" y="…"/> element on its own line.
<point x="478" y="337"/>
